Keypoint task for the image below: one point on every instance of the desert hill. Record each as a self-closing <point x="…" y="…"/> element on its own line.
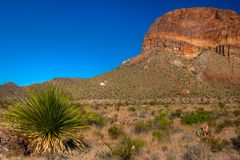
<point x="188" y="56"/>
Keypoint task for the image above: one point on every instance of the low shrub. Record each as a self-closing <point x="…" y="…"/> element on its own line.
<point x="196" y="117"/>
<point x="237" y="122"/>
<point x="161" y="122"/>
<point x="115" y="132"/>
<point x="177" y="113"/>
<point x="236" y="112"/>
<point x="221" y="126"/>
<point x="96" y="119"/>
<point x="221" y="105"/>
<point x="198" y="152"/>
<point x="154" y="103"/>
<point x="126" y="148"/>
<point x="142" y="127"/>
<point x="132" y="108"/>
<point x="117" y="108"/>
<point x="158" y="135"/>
<point x="216" y="144"/>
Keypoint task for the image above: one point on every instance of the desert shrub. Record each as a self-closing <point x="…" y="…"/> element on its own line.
<point x="198" y="116"/>
<point x="159" y="134"/>
<point x="115" y="132"/>
<point x="237" y="122"/>
<point x="221" y="105"/>
<point x="161" y="121"/>
<point x="236" y="143"/>
<point x="154" y="103"/>
<point x="142" y="127"/>
<point x="96" y="119"/>
<point x="197" y="152"/>
<point x="216" y="144"/>
<point x="221" y="126"/>
<point x="48" y="119"/>
<point x="177" y="113"/>
<point x="126" y="148"/>
<point x="236" y="112"/>
<point x="132" y="108"/>
<point x="117" y="108"/>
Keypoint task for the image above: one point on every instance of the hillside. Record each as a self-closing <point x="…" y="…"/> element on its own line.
<point x="173" y="63"/>
<point x="188" y="56"/>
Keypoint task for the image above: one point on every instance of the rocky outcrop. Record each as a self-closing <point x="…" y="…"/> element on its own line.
<point x="191" y="31"/>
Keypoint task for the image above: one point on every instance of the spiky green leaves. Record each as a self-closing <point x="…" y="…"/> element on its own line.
<point x="47" y="118"/>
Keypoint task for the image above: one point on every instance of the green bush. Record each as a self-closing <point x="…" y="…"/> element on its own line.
<point x="142" y="127"/>
<point x="48" y="119"/>
<point x="126" y="148"/>
<point x="216" y="144"/>
<point x="115" y="132"/>
<point x="161" y="122"/>
<point x="96" y="119"/>
<point x="198" y="116"/>
<point x="177" y="113"/>
<point x="158" y="134"/>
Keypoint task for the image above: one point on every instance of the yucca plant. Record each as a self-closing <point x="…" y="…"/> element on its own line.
<point x="48" y="118"/>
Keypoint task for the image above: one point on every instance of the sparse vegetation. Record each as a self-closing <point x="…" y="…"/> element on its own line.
<point x="225" y="123"/>
<point x="126" y="148"/>
<point x="221" y="105"/>
<point x="142" y="127"/>
<point x="161" y="121"/>
<point x="177" y="113"/>
<point x="115" y="132"/>
<point x="198" y="116"/>
<point x="236" y="112"/>
<point x="216" y="144"/>
<point x="95" y="118"/>
<point x="159" y="134"/>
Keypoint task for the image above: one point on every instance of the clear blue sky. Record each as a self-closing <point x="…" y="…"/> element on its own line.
<point x="44" y="39"/>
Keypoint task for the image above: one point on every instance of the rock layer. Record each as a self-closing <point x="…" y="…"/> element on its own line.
<point x="191" y="31"/>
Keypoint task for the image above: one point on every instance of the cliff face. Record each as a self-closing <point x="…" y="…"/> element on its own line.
<point x="191" y="31"/>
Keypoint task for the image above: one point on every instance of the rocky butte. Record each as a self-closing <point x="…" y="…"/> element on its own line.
<point x="190" y="31"/>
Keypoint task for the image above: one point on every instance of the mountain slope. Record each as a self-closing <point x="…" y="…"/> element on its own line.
<point x="188" y="55"/>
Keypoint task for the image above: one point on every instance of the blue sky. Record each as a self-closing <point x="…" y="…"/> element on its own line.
<point x="44" y="39"/>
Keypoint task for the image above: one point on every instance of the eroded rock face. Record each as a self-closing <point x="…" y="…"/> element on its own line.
<point x="190" y="31"/>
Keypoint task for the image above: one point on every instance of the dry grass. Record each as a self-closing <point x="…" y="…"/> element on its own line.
<point x="180" y="141"/>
